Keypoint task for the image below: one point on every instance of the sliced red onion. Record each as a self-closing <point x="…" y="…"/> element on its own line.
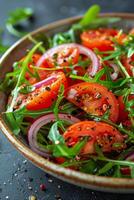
<point x="130" y="156"/>
<point x="82" y="50"/>
<point x="46" y="81"/>
<point x="34" y="128"/>
<point x="115" y="74"/>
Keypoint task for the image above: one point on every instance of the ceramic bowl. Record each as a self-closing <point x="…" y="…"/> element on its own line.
<point x="89" y="181"/>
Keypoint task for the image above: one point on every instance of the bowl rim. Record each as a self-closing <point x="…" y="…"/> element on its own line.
<point x="95" y="182"/>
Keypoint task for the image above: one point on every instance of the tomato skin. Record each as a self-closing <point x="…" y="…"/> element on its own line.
<point x="98" y="132"/>
<point x="45" y="99"/>
<point x="125" y="170"/>
<point x="93" y="98"/>
<point x="101" y="38"/>
<point x="44" y="96"/>
<point x="60" y="160"/>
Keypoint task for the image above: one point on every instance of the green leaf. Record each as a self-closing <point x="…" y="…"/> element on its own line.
<point x="12" y="123"/>
<point x="78" y="146"/>
<point x="59" y="148"/>
<point x="121" y="92"/>
<point x="21" y="77"/>
<point x="99" y="74"/>
<point x="99" y="151"/>
<point x="16" y="17"/>
<point x="104" y="21"/>
<point x="130" y="52"/>
<point x="132" y="171"/>
<point x="90" y="15"/>
<point x="105" y="169"/>
<point x="58" y="101"/>
<point x="54" y="134"/>
<point x="3" y="48"/>
<point x="27" y="89"/>
<point x="89" y="167"/>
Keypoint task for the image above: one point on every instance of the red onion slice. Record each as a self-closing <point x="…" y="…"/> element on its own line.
<point x="115" y="74"/>
<point x="46" y="81"/>
<point x="130" y="156"/>
<point x="82" y="50"/>
<point x="34" y="128"/>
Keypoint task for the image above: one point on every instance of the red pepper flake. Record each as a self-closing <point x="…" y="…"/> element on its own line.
<point x="42" y="187"/>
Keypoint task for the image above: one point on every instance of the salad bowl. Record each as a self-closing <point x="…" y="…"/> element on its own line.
<point x="16" y="52"/>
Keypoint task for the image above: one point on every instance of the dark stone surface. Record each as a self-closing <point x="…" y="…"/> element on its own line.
<point x="18" y="177"/>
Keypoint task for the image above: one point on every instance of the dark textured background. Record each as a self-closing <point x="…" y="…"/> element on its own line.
<point x="18" y="177"/>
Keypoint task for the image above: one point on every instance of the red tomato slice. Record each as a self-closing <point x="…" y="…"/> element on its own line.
<point x="129" y="64"/>
<point x="45" y="95"/>
<point x="93" y="98"/>
<point x="98" y="132"/>
<point x="101" y="38"/>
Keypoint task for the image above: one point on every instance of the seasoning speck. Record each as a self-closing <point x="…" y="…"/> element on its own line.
<point x="29" y="187"/>
<point x="7" y="197"/>
<point x="58" y="197"/>
<point x="15" y="174"/>
<point x="50" y="180"/>
<point x="32" y="198"/>
<point x="24" y="161"/>
<point x="57" y="142"/>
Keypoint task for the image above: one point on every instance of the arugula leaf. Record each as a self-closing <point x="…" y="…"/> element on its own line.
<point x="27" y="89"/>
<point x="54" y="134"/>
<point x="90" y="15"/>
<point x="9" y="113"/>
<point x="16" y="17"/>
<point x="21" y="77"/>
<point x="10" y="119"/>
<point x="109" y="84"/>
<point x="58" y="101"/>
<point x="88" y="167"/>
<point x="40" y="38"/>
<point x="59" y="147"/>
<point x="106" y="168"/>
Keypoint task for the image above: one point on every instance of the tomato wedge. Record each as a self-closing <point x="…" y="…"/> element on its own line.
<point x="99" y="133"/>
<point x="94" y="98"/>
<point x="101" y="38"/>
<point x="45" y="93"/>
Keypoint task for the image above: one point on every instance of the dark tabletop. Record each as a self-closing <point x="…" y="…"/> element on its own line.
<point x="18" y="177"/>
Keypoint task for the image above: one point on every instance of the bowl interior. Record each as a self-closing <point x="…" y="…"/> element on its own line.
<point x="15" y="53"/>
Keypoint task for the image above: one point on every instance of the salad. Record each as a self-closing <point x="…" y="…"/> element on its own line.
<point x="71" y="97"/>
